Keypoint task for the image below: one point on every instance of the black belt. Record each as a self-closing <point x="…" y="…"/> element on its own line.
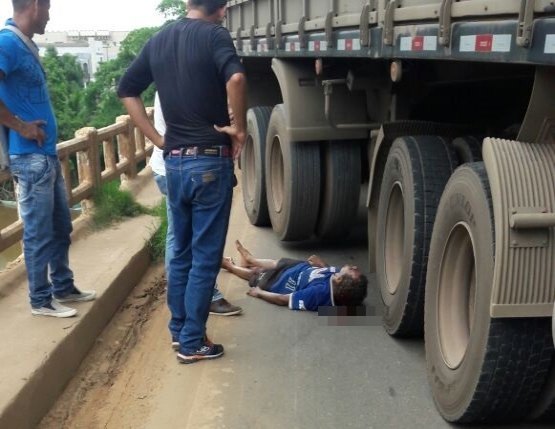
<point x="220" y="151"/>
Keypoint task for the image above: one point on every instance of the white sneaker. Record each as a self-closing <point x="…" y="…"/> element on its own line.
<point x="54" y="309"/>
<point x="78" y="296"/>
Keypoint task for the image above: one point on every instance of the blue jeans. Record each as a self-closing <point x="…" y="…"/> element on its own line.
<point x="199" y="195"/>
<point x="43" y="206"/>
<point x="170" y="238"/>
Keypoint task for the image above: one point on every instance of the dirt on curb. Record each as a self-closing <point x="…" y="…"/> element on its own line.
<point x="88" y="392"/>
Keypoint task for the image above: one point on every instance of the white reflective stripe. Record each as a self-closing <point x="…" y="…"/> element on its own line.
<point x="549" y="44"/>
<point x="467" y="44"/>
<point x="290" y="301"/>
<point x="331" y="291"/>
<point x="501" y="43"/>
<point x="430" y="43"/>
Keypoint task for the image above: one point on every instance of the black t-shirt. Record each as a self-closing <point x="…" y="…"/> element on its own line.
<point x="190" y="61"/>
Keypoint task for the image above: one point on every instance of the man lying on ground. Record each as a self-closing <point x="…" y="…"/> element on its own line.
<point x="301" y="285"/>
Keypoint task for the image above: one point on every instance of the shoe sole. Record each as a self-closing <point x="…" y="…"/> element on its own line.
<point x="87" y="299"/>
<point x="175" y="346"/>
<point x="230" y="313"/>
<point x="197" y="358"/>
<point x="58" y="315"/>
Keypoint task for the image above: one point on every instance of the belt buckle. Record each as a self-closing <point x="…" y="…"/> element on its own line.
<point x="191" y="151"/>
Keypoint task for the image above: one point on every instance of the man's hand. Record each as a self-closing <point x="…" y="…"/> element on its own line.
<point x="159" y="143"/>
<point x="254" y="291"/>
<point x="33" y="131"/>
<point x="238" y="138"/>
<point x="316" y="261"/>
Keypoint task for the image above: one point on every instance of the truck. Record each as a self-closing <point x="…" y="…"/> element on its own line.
<point x="440" y="114"/>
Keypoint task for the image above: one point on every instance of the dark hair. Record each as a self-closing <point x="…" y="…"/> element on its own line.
<point x="19" y="5"/>
<point x="350" y="291"/>
<point x="210" y="6"/>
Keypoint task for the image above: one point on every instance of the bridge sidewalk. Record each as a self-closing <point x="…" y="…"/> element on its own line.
<point x="40" y="355"/>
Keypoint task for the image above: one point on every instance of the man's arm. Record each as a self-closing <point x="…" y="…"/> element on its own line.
<point x="271" y="297"/>
<point x="136" y="109"/>
<point x="237" y="94"/>
<point x="30" y="130"/>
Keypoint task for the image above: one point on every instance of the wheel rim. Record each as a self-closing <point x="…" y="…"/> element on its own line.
<point x="249" y="169"/>
<point x="277" y="174"/>
<point x="394" y="240"/>
<point x="456" y="299"/>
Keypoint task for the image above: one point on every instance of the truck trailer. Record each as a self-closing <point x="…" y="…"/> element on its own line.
<point x="443" y="112"/>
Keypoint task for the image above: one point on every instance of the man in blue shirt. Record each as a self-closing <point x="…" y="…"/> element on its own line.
<point x="26" y="110"/>
<point x="300" y="285"/>
<point x="195" y="67"/>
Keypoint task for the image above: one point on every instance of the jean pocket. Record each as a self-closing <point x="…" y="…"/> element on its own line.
<point x="208" y="185"/>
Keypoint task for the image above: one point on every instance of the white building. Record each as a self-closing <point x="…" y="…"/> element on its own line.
<point x="90" y="47"/>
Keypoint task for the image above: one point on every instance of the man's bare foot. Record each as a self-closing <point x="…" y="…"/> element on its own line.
<point x="246" y="256"/>
<point x="227" y="263"/>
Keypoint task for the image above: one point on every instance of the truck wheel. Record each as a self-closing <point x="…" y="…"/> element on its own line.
<point x="416" y="172"/>
<point x="480" y="369"/>
<point x="252" y="166"/>
<point x="468" y="149"/>
<point x="292" y="181"/>
<point x="341" y="189"/>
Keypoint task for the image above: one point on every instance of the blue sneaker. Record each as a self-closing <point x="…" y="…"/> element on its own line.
<point x="206" y="352"/>
<point x="78" y="296"/>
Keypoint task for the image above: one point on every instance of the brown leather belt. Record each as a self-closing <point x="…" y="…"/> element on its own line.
<point x="220" y="151"/>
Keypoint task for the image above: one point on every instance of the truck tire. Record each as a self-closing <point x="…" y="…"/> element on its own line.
<point x="252" y="166"/>
<point x="480" y="369"/>
<point x="544" y="410"/>
<point x="416" y="172"/>
<point x="341" y="174"/>
<point x="468" y="149"/>
<point x="292" y="181"/>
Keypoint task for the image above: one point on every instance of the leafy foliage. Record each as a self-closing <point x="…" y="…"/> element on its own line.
<point x="65" y="82"/>
<point x="172" y="8"/>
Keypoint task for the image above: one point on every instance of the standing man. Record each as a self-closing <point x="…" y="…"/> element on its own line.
<point x="196" y="70"/>
<point x="219" y="305"/>
<point x="25" y="109"/>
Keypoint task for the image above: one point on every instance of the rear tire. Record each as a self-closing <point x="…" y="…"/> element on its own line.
<point x="468" y="149"/>
<point x="252" y="166"/>
<point x="292" y="181"/>
<point x="480" y="369"/>
<point x="416" y="172"/>
<point x="340" y="190"/>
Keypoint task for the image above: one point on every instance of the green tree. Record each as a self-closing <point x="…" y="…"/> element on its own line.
<point x="65" y="83"/>
<point x="100" y="98"/>
<point x="172" y="9"/>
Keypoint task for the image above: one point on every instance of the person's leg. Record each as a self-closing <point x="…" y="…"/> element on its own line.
<point x="179" y="262"/>
<point x="241" y="272"/>
<point x="60" y="273"/>
<point x="248" y="260"/>
<point x="35" y="196"/>
<point x="211" y="189"/>
<point x="216" y="294"/>
<point x="162" y="184"/>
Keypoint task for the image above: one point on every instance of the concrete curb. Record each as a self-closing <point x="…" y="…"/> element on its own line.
<point x="41" y="355"/>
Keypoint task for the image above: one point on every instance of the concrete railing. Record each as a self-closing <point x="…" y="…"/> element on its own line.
<point x="124" y="147"/>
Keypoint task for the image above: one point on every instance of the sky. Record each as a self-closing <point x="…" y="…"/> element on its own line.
<point x="97" y="14"/>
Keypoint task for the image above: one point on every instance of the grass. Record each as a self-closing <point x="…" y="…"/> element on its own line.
<point x="112" y="205"/>
<point x="157" y="244"/>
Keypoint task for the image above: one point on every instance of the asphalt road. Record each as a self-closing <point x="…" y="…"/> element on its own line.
<point x="282" y="369"/>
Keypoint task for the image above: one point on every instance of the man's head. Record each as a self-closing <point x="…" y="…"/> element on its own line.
<point x="349" y="286"/>
<point x="36" y="14"/>
<point x="213" y="10"/>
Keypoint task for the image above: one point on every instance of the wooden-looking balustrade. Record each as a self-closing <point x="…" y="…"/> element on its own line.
<point x="124" y="147"/>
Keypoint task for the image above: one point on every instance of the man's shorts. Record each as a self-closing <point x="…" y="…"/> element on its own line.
<point x="265" y="279"/>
